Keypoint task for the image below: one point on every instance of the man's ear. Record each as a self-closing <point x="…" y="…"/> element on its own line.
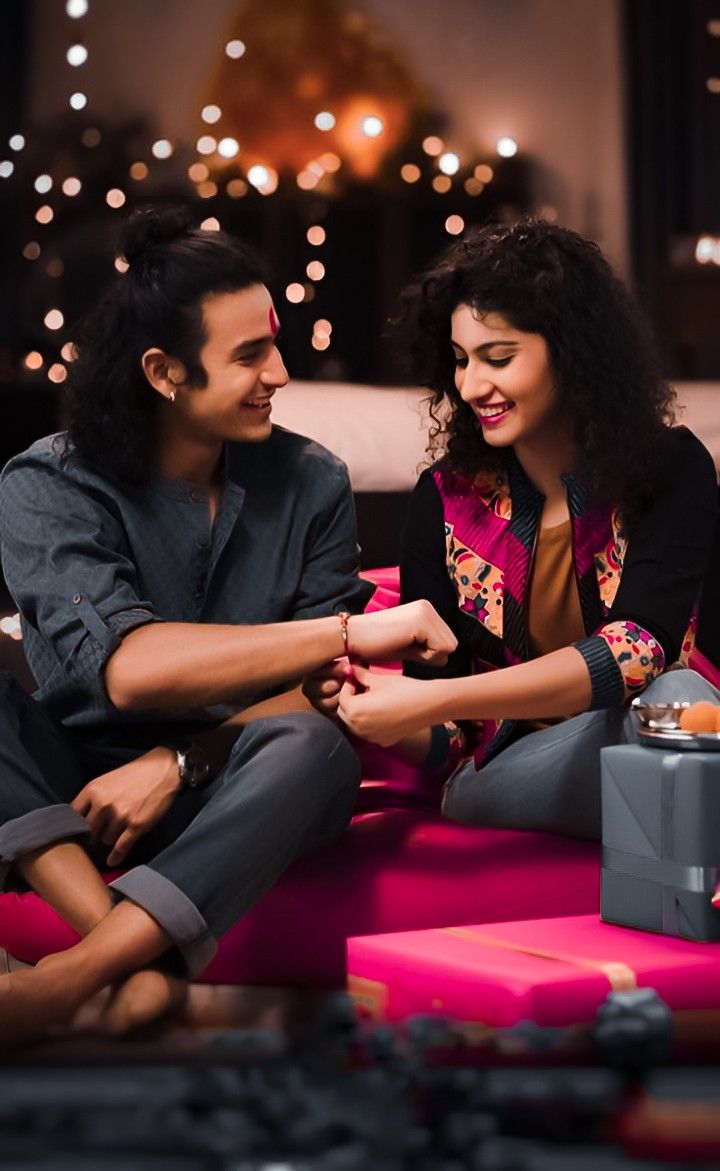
<point x="164" y="373"/>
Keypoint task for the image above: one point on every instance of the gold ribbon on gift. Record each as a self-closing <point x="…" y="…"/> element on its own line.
<point x="619" y="975"/>
<point x="370" y="995"/>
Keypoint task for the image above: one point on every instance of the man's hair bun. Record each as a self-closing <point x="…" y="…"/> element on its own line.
<point x="149" y="226"/>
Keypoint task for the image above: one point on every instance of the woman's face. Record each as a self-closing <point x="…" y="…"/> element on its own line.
<point x="504" y="376"/>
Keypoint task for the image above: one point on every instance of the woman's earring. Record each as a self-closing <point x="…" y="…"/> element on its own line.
<point x="173" y="392"/>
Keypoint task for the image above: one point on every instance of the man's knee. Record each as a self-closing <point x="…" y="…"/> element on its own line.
<point x="321" y="747"/>
<point x="312" y="750"/>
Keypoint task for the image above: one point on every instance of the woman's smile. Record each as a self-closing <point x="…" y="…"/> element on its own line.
<point x="494" y="414"/>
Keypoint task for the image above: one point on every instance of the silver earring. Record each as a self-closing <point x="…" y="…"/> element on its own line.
<point x="173" y="392"/>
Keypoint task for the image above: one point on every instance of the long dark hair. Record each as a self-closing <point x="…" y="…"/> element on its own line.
<point x="548" y="280"/>
<point x="111" y="411"/>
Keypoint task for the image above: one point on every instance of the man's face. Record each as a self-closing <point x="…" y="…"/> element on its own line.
<point x="243" y="367"/>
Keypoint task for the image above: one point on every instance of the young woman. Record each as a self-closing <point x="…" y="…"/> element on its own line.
<point x="174" y="559"/>
<point x="563" y="535"/>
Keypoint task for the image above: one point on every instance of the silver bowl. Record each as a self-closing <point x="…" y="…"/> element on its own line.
<point x="658" y="716"/>
<point x="658" y="724"/>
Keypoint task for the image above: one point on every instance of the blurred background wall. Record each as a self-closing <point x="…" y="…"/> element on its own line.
<point x="601" y="115"/>
<point x="548" y="73"/>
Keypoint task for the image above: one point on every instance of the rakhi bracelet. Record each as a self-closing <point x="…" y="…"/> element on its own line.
<point x="344" y="616"/>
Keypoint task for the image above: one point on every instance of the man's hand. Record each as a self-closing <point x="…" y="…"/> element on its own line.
<point x="322" y="687"/>
<point x="383" y="708"/>
<point x="412" y="631"/>
<point x="122" y="805"/>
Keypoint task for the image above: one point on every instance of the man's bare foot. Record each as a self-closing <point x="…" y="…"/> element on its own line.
<point x="33" y="1002"/>
<point x="144" y="997"/>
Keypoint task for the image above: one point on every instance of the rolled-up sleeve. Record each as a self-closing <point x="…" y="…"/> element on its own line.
<point x="67" y="564"/>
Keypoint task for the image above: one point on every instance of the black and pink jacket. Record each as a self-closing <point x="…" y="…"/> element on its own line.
<point x="468" y="548"/>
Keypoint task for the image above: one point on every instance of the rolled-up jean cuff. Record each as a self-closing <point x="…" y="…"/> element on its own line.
<point x="175" y="913"/>
<point x="38" y="828"/>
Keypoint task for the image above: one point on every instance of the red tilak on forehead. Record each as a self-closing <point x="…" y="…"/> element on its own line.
<point x="274" y="323"/>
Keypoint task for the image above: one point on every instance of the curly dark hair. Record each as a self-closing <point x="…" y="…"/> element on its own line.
<point x="111" y="412"/>
<point x="546" y="279"/>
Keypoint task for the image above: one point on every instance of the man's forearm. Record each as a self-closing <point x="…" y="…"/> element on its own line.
<point x="174" y="664"/>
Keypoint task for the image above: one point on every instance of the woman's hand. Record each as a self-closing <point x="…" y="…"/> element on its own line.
<point x="413" y="631"/>
<point x="383" y="708"/>
<point x="122" y="805"/>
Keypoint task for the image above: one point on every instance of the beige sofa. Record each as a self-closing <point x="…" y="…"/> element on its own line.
<point x="381" y="432"/>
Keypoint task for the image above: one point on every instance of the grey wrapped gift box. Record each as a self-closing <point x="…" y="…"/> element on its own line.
<point x="661" y="840"/>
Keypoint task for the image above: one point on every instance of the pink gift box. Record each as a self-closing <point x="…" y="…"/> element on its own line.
<point x="552" y="971"/>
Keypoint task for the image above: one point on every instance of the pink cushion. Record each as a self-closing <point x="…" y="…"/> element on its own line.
<point x="395" y="870"/>
<point x="387" y="587"/>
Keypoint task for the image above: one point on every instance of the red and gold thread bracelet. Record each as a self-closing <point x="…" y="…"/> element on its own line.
<point x="344" y="616"/>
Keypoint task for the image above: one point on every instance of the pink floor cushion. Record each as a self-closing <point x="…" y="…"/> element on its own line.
<point x="395" y="870"/>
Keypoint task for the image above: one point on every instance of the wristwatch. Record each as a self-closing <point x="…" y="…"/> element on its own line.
<point x="193" y="766"/>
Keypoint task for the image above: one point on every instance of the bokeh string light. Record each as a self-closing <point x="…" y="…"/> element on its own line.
<point x="707" y="250"/>
<point x="77" y="55"/>
<point x="57" y="372"/>
<point x="162" y="149"/>
<point x="295" y="293"/>
<point x="10" y="627"/>
<point x="228" y="147"/>
<point x="506" y="147"/>
<point x="235" y="49"/>
<point x="54" y="319"/>
<point x="224" y="166"/>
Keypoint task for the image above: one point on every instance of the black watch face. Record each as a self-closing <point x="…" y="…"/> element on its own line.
<point x="195" y="769"/>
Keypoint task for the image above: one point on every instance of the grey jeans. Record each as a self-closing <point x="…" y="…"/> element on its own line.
<point x="289" y="786"/>
<point x="550" y="780"/>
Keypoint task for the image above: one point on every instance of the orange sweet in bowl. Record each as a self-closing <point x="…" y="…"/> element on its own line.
<point x="700" y="717"/>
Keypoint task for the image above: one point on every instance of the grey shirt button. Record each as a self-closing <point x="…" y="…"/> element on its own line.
<point x="197" y="496"/>
<point x="77" y="599"/>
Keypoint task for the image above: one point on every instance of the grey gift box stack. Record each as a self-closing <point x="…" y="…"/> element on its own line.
<point x="661" y="840"/>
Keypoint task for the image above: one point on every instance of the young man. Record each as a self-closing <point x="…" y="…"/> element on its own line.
<point x="156" y="553"/>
